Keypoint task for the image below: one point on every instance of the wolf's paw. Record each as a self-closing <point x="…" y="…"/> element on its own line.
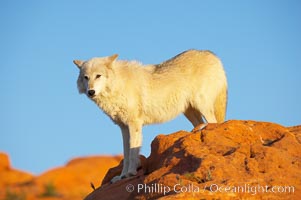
<point x="117" y="178"/>
<point x="201" y="127"/>
<point x="131" y="173"/>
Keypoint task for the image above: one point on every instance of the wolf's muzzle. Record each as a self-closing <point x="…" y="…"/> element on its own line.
<point x="91" y="93"/>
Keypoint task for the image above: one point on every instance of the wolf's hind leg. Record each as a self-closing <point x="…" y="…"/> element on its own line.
<point x="194" y="116"/>
<point x="206" y="109"/>
<point x="209" y="116"/>
<point x="201" y="113"/>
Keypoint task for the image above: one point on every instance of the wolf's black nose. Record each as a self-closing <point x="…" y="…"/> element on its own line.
<point x="91" y="93"/>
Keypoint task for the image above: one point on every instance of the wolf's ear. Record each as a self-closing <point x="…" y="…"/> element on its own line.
<point x="113" y="57"/>
<point x="78" y="63"/>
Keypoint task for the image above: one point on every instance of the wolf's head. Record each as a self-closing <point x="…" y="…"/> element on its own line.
<point x="94" y="74"/>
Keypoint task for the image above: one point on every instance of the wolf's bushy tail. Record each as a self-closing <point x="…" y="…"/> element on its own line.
<point x="220" y="105"/>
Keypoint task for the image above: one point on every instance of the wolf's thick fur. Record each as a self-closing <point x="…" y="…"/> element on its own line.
<point x="133" y="95"/>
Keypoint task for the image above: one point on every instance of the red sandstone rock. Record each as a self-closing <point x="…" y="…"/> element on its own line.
<point x="4" y="161"/>
<point x="72" y="181"/>
<point x="243" y="159"/>
<point x="10" y="176"/>
<point x="243" y="154"/>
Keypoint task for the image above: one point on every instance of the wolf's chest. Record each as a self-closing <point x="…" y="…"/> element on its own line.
<point x="116" y="109"/>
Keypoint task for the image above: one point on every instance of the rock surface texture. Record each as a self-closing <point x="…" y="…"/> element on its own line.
<point x="232" y="160"/>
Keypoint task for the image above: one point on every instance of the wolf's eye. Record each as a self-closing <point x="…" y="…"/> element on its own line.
<point x="98" y="76"/>
<point x="86" y="77"/>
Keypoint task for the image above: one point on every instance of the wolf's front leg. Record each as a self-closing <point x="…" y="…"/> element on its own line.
<point x="135" y="145"/>
<point x="126" y="152"/>
<point x="132" y="141"/>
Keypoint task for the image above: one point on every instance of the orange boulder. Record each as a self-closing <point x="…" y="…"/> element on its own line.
<point x="232" y="160"/>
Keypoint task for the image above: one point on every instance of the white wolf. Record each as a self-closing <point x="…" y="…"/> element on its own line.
<point x="133" y="95"/>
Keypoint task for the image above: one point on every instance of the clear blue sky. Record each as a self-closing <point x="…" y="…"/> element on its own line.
<point x="45" y="122"/>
